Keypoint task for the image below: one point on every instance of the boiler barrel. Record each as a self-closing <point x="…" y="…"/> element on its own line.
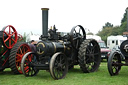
<point x="49" y="48"/>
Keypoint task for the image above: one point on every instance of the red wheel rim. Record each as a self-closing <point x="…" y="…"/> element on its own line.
<point x="11" y="38"/>
<point x="23" y="49"/>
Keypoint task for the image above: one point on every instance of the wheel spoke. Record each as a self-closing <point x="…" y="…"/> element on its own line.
<point x="6" y="34"/>
<point x="60" y="59"/>
<point x="96" y="53"/>
<point x="79" y="30"/>
<point x="13" y="44"/>
<point x="9" y="42"/>
<point x="13" y="40"/>
<point x="6" y="40"/>
<point x="58" y="73"/>
<point x="95" y="62"/>
<point x="93" y="47"/>
<point x="19" y="55"/>
<point x="87" y="59"/>
<point x="12" y="33"/>
<point x="18" y="60"/>
<point x="56" y="62"/>
<point x="92" y="50"/>
<point x="21" y="51"/>
<point x="24" y="50"/>
<point x="75" y="31"/>
<point x="87" y="54"/>
<point x="88" y="50"/>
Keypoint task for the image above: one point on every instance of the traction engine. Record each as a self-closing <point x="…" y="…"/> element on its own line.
<point x="11" y="51"/>
<point x="119" y="58"/>
<point x="58" y="53"/>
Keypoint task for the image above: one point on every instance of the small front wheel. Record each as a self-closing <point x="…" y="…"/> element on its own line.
<point x="58" y="66"/>
<point x="26" y="64"/>
<point x="113" y="63"/>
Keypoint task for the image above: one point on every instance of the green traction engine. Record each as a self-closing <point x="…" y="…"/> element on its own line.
<point x="58" y="53"/>
<point x="11" y="50"/>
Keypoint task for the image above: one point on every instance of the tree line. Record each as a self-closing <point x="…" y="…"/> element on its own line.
<point x="108" y="29"/>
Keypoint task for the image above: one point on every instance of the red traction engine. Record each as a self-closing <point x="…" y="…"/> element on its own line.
<point x="11" y="50"/>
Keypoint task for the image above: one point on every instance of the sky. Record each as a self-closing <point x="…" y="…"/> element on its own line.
<point x="26" y="15"/>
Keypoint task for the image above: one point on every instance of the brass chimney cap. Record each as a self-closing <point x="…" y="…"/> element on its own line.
<point x="44" y="8"/>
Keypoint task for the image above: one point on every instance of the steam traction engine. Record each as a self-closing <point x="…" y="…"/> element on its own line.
<point x="116" y="57"/>
<point x="11" y="51"/>
<point x="58" y="53"/>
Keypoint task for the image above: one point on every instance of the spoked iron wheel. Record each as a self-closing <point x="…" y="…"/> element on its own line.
<point x="26" y="64"/>
<point x="77" y="35"/>
<point x="16" y="54"/>
<point x="9" y="36"/>
<point x="89" y="56"/>
<point x="58" y="66"/>
<point x="113" y="63"/>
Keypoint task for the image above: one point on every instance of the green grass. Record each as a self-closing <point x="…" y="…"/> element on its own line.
<point x="74" y="77"/>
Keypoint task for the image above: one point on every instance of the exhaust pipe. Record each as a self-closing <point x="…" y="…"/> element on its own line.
<point x="45" y="22"/>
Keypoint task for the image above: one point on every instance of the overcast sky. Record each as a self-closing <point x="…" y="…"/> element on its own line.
<point x="26" y="15"/>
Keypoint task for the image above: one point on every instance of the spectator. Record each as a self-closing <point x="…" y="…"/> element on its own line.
<point x="32" y="46"/>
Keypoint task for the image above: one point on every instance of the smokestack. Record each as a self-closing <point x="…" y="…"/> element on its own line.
<point x="45" y="21"/>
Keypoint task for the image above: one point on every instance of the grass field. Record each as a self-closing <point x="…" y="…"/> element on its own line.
<point x="74" y="77"/>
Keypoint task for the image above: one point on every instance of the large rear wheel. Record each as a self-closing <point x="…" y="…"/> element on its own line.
<point x="89" y="55"/>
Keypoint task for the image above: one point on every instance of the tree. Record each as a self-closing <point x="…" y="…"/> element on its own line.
<point x="104" y="33"/>
<point x="108" y="25"/>
<point x="115" y="31"/>
<point x="109" y="29"/>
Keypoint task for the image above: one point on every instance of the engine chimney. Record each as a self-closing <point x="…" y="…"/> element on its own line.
<point x="45" y="22"/>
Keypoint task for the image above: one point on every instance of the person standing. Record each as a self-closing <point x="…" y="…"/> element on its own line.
<point x="32" y="46"/>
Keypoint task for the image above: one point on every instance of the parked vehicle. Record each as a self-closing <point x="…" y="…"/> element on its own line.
<point x="105" y="51"/>
<point x="115" y="40"/>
